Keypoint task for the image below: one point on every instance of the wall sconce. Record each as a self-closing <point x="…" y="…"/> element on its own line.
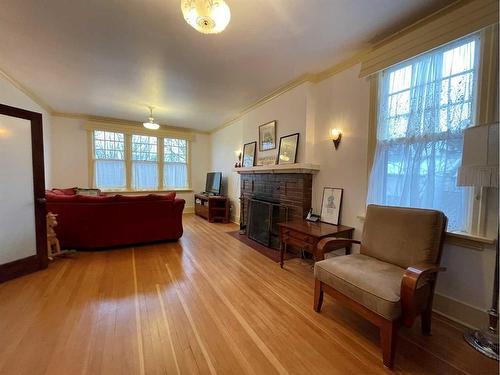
<point x="336" y="135"/>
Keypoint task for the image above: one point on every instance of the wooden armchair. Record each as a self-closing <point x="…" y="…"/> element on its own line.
<point x="391" y="281"/>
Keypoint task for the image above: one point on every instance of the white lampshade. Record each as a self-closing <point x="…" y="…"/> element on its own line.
<point x="480" y="157"/>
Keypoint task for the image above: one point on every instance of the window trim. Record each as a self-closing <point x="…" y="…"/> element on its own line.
<point x="486" y="97"/>
<point x="128" y="131"/>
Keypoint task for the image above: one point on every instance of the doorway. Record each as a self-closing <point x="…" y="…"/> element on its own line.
<point x="23" y="238"/>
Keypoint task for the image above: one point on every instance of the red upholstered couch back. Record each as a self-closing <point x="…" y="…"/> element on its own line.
<point x="87" y="222"/>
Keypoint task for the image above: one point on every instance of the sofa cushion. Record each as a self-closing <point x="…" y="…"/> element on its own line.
<point x="66" y="191"/>
<point x="402" y="236"/>
<point x="148" y="197"/>
<point x="366" y="280"/>
<point x="85" y="191"/>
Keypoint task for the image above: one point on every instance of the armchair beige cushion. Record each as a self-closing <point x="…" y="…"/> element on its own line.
<point x="402" y="236"/>
<point x="368" y="281"/>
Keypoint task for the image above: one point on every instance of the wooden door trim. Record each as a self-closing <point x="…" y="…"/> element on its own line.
<point x="39" y="261"/>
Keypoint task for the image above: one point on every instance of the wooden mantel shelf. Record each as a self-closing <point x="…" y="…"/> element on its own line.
<point x="283" y="168"/>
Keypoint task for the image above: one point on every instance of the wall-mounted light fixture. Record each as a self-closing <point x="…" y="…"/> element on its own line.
<point x="336" y="135"/>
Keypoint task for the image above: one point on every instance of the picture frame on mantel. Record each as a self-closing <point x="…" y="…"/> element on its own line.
<point x="331" y="205"/>
<point x="287" y="152"/>
<point x="249" y="152"/>
<point x="267" y="136"/>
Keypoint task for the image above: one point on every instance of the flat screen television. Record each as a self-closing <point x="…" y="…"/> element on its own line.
<point x="214" y="182"/>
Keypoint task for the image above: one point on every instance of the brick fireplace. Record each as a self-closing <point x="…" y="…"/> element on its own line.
<point x="264" y="192"/>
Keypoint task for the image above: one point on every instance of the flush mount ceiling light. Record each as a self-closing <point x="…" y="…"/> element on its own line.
<point x="206" y="16"/>
<point x="151" y="123"/>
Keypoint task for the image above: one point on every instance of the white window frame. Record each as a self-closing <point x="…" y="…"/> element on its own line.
<point x="477" y="236"/>
<point x="128" y="132"/>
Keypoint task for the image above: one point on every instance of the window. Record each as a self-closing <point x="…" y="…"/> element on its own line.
<point x="128" y="161"/>
<point x="144" y="162"/>
<point x="109" y="155"/>
<point x="424" y="106"/>
<point x="175" y="163"/>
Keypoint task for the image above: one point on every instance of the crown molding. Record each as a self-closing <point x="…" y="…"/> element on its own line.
<point x="309" y="77"/>
<point x="122" y="122"/>
<point x="421" y="22"/>
<point x="26" y="91"/>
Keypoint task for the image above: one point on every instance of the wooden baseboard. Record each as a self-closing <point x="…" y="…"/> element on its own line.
<point x="460" y="312"/>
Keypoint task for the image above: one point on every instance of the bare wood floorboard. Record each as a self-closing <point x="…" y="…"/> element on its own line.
<point x="207" y="304"/>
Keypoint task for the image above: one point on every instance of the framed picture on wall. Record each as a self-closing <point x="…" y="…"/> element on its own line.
<point x="267" y="136"/>
<point x="249" y="150"/>
<point x="287" y="153"/>
<point x="331" y="205"/>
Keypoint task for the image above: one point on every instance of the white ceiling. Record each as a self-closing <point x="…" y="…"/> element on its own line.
<point x="113" y="58"/>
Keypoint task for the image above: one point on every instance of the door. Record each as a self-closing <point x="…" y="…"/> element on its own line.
<point x="23" y="243"/>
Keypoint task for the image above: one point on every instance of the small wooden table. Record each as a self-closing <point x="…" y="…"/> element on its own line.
<point x="306" y="235"/>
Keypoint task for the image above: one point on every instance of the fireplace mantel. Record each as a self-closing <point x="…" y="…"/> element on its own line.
<point x="306" y="168"/>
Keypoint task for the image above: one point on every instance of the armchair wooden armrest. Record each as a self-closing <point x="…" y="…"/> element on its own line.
<point x="412" y="280"/>
<point x="331" y="243"/>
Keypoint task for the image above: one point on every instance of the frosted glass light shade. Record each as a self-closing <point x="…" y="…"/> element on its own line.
<point x="151" y="125"/>
<point x="206" y="16"/>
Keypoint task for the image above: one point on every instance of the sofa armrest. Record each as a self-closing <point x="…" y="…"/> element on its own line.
<point x="413" y="278"/>
<point x="331" y="243"/>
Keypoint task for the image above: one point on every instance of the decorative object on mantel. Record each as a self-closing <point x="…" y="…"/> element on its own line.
<point x="287" y="153"/>
<point x="238" y="163"/>
<point x="249" y="150"/>
<point x="331" y="205"/>
<point x="151" y="125"/>
<point x="266" y="160"/>
<point x="206" y="16"/>
<point x="267" y="136"/>
<point x="480" y="168"/>
<point x="336" y="135"/>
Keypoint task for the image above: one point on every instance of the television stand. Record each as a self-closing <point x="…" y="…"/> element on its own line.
<point x="212" y="207"/>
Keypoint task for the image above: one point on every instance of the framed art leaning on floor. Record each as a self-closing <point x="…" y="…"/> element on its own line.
<point x="331" y="205"/>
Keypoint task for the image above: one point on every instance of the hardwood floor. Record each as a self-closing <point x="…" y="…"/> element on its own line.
<point x="205" y="305"/>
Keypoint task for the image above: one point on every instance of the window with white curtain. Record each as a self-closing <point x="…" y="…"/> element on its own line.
<point x="424" y="106"/>
<point x="144" y="162"/>
<point x="128" y="161"/>
<point x="175" y="167"/>
<point x="109" y="160"/>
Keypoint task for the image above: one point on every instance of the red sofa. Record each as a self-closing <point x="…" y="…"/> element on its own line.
<point x="89" y="222"/>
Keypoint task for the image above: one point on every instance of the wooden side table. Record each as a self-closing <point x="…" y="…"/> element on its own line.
<point x="306" y="235"/>
<point x="212" y="207"/>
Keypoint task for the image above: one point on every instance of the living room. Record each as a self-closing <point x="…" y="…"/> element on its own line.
<point x="303" y="106"/>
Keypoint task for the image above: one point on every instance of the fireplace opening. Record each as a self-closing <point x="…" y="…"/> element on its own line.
<point x="263" y="218"/>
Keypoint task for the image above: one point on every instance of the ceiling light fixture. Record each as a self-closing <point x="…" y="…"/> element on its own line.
<point x="206" y="16"/>
<point x="151" y="123"/>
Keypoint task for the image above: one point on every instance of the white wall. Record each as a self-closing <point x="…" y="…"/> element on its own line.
<point x="224" y="156"/>
<point x="70" y="157"/>
<point x="11" y="95"/>
<point x="342" y="101"/>
<point x="288" y="109"/>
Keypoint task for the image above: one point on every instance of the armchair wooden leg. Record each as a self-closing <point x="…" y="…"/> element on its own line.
<point x="426" y="321"/>
<point x="318" y="296"/>
<point x="388" y="338"/>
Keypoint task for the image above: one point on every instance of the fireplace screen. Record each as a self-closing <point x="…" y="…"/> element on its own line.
<point x="263" y="219"/>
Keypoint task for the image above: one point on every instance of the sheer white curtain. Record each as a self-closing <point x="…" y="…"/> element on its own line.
<point x="109" y="160"/>
<point x="144" y="175"/>
<point x="175" y="175"/>
<point x="110" y="174"/>
<point x="424" y="106"/>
